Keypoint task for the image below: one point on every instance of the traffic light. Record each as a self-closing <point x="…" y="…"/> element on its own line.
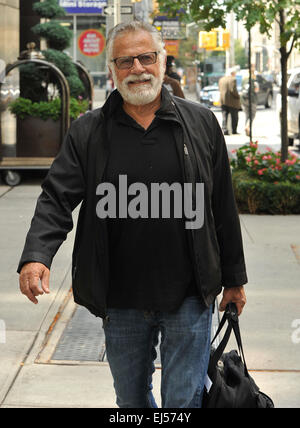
<point x="214" y="40"/>
<point x="223" y="40"/>
<point x="226" y="39"/>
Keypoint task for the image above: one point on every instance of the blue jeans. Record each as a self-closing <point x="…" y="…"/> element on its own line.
<point x="131" y="337"/>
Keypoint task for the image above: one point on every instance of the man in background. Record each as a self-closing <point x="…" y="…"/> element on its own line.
<point x="230" y="101"/>
<point x="173" y="86"/>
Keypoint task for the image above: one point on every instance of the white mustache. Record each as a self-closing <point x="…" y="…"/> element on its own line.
<point x="133" y="78"/>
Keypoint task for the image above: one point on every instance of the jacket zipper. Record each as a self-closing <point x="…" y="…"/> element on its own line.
<point x="192" y="243"/>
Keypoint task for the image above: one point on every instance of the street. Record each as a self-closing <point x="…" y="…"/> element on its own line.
<point x="266" y="127"/>
<point x="266" y="122"/>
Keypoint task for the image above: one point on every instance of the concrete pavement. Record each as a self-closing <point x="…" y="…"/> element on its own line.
<point x="30" y="333"/>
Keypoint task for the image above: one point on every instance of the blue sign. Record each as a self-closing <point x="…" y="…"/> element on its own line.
<point x="83" y="6"/>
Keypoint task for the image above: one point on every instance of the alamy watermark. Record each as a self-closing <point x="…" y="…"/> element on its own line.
<point x="296" y="333"/>
<point x="2" y="332"/>
<point x="186" y="204"/>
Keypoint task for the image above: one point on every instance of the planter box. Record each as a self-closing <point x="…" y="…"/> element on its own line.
<point x="37" y="137"/>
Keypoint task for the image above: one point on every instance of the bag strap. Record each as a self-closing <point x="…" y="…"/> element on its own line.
<point x="231" y="316"/>
<point x="237" y="333"/>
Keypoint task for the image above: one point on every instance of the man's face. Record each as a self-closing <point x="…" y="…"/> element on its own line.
<point x="140" y="84"/>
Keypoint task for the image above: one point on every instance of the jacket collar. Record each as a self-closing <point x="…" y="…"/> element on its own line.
<point x="166" y="110"/>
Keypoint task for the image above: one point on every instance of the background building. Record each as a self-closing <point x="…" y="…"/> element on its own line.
<point x="9" y="30"/>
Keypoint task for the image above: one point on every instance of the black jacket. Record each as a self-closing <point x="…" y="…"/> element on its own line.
<point x="217" y="248"/>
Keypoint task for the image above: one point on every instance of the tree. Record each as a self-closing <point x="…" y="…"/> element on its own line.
<point x="58" y="39"/>
<point x="266" y="13"/>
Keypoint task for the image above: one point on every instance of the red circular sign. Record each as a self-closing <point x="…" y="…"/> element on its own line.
<point x="91" y="42"/>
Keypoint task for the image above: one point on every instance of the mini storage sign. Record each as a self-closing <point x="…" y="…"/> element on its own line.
<point x="83" y="6"/>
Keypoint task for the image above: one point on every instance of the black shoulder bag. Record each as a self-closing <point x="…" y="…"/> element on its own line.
<point x="232" y="386"/>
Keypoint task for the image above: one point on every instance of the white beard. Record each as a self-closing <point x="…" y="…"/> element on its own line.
<point x="141" y="94"/>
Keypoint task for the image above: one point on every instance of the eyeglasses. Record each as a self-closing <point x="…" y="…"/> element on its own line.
<point x="126" y="62"/>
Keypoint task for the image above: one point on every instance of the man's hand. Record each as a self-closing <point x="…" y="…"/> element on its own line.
<point x="30" y="276"/>
<point x="236" y="295"/>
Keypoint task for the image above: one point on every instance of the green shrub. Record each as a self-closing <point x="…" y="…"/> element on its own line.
<point x="49" y="9"/>
<point x="57" y="36"/>
<point x="23" y="107"/>
<point x="256" y="196"/>
<point x="64" y="63"/>
<point x="263" y="184"/>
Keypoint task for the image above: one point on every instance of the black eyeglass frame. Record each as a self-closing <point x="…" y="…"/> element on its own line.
<point x="133" y="58"/>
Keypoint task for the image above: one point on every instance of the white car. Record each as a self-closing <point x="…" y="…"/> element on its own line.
<point x="293" y="104"/>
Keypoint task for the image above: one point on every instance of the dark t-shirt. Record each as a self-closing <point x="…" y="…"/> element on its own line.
<point x="150" y="264"/>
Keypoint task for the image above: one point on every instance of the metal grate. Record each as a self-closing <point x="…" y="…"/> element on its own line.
<point x="83" y="338"/>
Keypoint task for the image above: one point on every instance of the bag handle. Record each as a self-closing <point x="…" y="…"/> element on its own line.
<point x="231" y="316"/>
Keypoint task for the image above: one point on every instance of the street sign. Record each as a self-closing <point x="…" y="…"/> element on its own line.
<point x="172" y="47"/>
<point x="169" y="28"/>
<point x="83" y="6"/>
<point x="125" y="10"/>
<point x="109" y="10"/>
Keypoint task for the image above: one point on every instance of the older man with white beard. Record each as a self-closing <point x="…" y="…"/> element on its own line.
<point x="144" y="276"/>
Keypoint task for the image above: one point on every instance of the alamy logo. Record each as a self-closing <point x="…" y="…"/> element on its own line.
<point x="184" y="203"/>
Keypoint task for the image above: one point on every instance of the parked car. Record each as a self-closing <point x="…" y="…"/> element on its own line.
<point x="293" y="104"/>
<point x="210" y="96"/>
<point x="265" y="91"/>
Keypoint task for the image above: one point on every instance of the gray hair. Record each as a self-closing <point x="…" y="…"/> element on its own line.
<point x="131" y="27"/>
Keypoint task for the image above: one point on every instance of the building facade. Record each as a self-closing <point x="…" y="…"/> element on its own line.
<point x="9" y="30"/>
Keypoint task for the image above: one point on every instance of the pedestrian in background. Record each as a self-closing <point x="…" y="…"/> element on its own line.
<point x="172" y="80"/>
<point x="143" y="275"/>
<point x="170" y="64"/>
<point x="109" y="87"/>
<point x="245" y="99"/>
<point x="230" y="101"/>
<point x="173" y="86"/>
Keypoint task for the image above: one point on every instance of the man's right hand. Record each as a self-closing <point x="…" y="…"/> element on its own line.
<point x="30" y="276"/>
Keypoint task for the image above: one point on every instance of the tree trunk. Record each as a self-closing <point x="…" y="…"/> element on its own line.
<point x="283" y="62"/>
<point x="250" y="84"/>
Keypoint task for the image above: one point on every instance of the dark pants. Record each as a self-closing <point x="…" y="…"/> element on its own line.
<point x="234" y="113"/>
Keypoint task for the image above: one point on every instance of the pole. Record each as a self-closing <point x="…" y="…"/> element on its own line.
<point x="117" y="12"/>
<point x="250" y="85"/>
<point x="75" y="38"/>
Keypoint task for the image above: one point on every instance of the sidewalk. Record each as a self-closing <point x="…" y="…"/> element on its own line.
<point x="31" y="377"/>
